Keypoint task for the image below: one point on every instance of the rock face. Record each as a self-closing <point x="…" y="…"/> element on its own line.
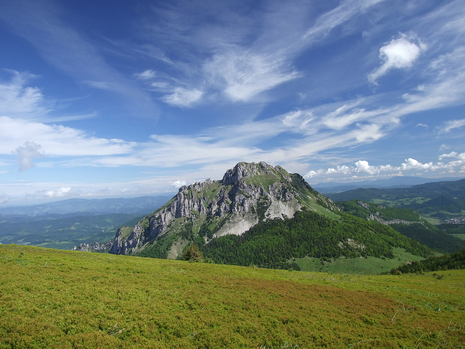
<point x="93" y="247"/>
<point x="247" y="194"/>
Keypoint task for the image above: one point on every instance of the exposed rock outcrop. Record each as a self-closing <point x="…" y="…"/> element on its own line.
<point x="93" y="247"/>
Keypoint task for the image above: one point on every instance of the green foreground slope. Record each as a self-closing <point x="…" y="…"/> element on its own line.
<point x="65" y="299"/>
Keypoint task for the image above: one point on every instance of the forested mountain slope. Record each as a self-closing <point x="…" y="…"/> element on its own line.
<point x="439" y="200"/>
<point x="406" y="221"/>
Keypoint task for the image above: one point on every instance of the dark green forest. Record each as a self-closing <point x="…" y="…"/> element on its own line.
<point x="431" y="236"/>
<point x="274" y="243"/>
<point x="437" y="238"/>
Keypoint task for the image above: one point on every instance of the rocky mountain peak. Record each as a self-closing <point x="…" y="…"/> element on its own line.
<point x="245" y="170"/>
<point x="248" y="194"/>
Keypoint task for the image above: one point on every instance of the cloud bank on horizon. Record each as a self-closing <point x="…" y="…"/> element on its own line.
<point x="139" y="98"/>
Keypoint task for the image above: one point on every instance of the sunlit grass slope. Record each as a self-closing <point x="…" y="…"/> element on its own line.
<point x="65" y="299"/>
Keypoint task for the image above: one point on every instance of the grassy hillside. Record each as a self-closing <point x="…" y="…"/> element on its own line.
<point x="361" y="266"/>
<point x="65" y="299"/>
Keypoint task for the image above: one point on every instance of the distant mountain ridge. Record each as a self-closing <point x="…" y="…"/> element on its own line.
<point x="439" y="200"/>
<point x="139" y="205"/>
<point x="390" y="183"/>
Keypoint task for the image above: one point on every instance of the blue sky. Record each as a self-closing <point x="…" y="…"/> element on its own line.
<point x="118" y="98"/>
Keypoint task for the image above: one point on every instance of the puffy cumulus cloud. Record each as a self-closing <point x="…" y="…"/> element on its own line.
<point x="399" y="53"/>
<point x="178" y="184"/>
<point x="364" y="166"/>
<point x="183" y="97"/>
<point x="450" y="125"/>
<point x="410" y="164"/>
<point x="452" y="154"/>
<point x="63" y="191"/>
<point x="27" y="153"/>
<point x="329" y="171"/>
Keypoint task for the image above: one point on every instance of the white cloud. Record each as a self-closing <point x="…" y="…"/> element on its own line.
<point x="243" y="74"/>
<point x="58" y="193"/>
<point x="411" y="164"/>
<point x="178" y="184"/>
<point x="55" y="140"/>
<point x="101" y="85"/>
<point x="18" y="99"/>
<point x="450" y="125"/>
<point x="183" y="97"/>
<point x="421" y="125"/>
<point x="146" y="75"/>
<point x="400" y="53"/>
<point x="452" y="154"/>
<point x="330" y="20"/>
<point x="364" y="166"/>
<point x="27" y="153"/>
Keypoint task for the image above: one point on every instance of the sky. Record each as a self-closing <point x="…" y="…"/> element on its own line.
<point x="113" y="98"/>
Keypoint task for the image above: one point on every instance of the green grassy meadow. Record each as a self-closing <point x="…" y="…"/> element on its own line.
<point x="361" y="266"/>
<point x="68" y="299"/>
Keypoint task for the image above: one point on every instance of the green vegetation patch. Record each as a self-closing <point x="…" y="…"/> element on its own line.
<point x="125" y="232"/>
<point x="65" y="299"/>
<point x="364" y="209"/>
<point x="264" y="180"/>
<point x="160" y="248"/>
<point x="361" y="265"/>
<point x="211" y="190"/>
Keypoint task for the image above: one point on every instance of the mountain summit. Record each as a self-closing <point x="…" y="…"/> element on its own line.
<point x="248" y="194"/>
